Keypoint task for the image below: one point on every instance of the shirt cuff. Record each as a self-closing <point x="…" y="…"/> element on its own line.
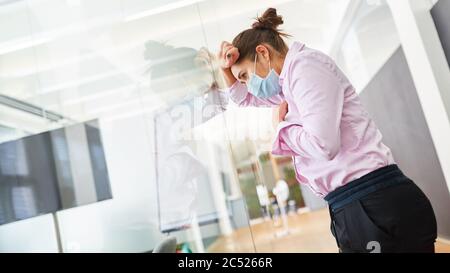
<point x="280" y="145"/>
<point x="238" y="92"/>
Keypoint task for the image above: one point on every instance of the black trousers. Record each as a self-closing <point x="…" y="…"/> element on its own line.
<point x="397" y="217"/>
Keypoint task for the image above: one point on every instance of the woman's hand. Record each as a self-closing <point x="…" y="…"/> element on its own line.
<point x="282" y="111"/>
<point x="279" y="113"/>
<point x="227" y="56"/>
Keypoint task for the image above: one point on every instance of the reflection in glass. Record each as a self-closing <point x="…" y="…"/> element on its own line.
<point x="180" y="172"/>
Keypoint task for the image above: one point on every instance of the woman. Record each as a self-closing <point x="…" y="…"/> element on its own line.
<point x="336" y="147"/>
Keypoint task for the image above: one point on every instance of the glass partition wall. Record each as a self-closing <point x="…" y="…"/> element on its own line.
<point x="182" y="161"/>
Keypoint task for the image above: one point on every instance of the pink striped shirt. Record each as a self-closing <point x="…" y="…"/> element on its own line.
<point x="327" y="131"/>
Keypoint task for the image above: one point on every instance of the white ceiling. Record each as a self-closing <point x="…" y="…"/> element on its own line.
<point x="64" y="54"/>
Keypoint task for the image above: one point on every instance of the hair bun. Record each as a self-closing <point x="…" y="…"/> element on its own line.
<point x="269" y="20"/>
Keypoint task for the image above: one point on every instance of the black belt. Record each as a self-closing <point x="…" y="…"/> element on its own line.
<point x="379" y="179"/>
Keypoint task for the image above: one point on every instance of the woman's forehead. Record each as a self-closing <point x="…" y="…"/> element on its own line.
<point x="241" y="67"/>
<point x="235" y="69"/>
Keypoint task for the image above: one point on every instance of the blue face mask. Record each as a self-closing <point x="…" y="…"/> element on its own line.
<point x="264" y="87"/>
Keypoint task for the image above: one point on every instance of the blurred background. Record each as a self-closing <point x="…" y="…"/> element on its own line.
<point x="116" y="130"/>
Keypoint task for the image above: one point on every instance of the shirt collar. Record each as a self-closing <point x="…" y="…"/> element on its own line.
<point x="290" y="56"/>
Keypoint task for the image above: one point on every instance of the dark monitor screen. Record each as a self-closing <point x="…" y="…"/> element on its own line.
<point x="52" y="171"/>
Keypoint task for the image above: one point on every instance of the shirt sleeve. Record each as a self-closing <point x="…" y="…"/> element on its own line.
<point x="240" y="95"/>
<point x="319" y="95"/>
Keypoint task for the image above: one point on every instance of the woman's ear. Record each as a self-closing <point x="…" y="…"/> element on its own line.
<point x="263" y="51"/>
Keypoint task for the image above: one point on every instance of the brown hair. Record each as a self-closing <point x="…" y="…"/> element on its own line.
<point x="264" y="30"/>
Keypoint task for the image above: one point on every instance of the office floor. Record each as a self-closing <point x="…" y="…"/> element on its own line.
<point x="308" y="232"/>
